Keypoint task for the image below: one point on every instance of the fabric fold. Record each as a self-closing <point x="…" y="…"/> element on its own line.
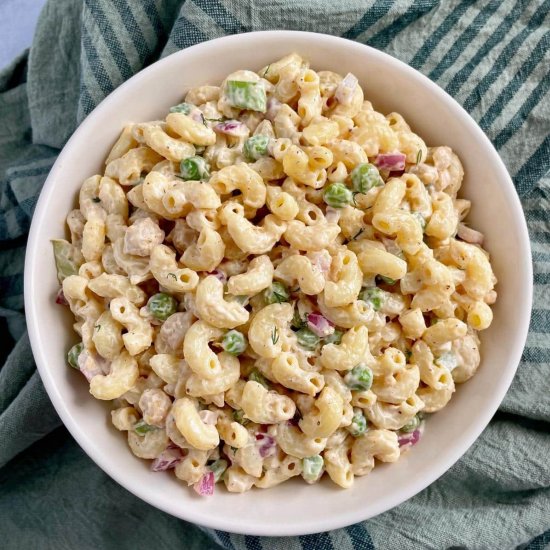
<point x="54" y="73"/>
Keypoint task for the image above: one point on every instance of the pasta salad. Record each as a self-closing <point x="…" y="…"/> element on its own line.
<point x="274" y="281"/>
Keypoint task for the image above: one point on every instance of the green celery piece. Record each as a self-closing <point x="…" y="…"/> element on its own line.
<point x="246" y="95"/>
<point x="65" y="261"/>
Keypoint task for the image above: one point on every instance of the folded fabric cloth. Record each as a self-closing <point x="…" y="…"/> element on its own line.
<point x="492" y="56"/>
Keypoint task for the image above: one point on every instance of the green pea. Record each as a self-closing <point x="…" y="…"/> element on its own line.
<point x="194" y="168"/>
<point x="65" y="261"/>
<point x="246" y="95"/>
<point x="141" y="427"/>
<point x="161" y="306"/>
<point x="184" y="108"/>
<point x="218" y="467"/>
<point x="358" y="424"/>
<point x="312" y="467"/>
<point x="334" y="338"/>
<point x="359" y="378"/>
<point x="411" y="425"/>
<point x="375" y="296"/>
<point x="276" y="293"/>
<point x="364" y="177"/>
<point x="238" y="416"/>
<point x="307" y="339"/>
<point x="337" y="195"/>
<point x="257" y="376"/>
<point x="234" y="342"/>
<point x="72" y="356"/>
<point x="255" y="147"/>
<point x="387" y="280"/>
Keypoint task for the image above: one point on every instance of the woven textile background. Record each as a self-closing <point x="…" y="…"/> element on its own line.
<point x="492" y="56"/>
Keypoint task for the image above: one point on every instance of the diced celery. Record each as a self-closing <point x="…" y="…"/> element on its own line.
<point x="65" y="261"/>
<point x="246" y="95"/>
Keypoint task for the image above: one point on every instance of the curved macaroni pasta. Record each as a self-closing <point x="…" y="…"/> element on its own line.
<point x="122" y="376"/>
<point x="212" y="307"/>
<point x="188" y="421"/>
<point x="257" y="277"/>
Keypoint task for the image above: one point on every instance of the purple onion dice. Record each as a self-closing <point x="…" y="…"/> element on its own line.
<point x="266" y="445"/>
<point x="233" y="128"/>
<point x="197" y="116"/>
<point x="321" y="260"/>
<point x="167" y="459"/>
<point x="469" y="235"/>
<point x="346" y="89"/>
<point x="219" y="274"/>
<point x="393" y="162"/>
<point x="205" y="486"/>
<point x="332" y="215"/>
<point x="319" y="325"/>
<point x="273" y="106"/>
<point x="409" y="439"/>
<point x="91" y="364"/>
<point x="60" y="298"/>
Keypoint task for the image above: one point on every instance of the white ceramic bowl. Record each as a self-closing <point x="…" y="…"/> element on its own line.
<point x="292" y="508"/>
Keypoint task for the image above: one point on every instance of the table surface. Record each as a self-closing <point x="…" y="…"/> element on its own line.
<point x="17" y="23"/>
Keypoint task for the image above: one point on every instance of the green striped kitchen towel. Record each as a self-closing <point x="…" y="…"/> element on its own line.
<point x="493" y="56"/>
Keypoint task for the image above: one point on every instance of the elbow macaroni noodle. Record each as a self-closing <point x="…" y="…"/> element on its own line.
<point x="273" y="279"/>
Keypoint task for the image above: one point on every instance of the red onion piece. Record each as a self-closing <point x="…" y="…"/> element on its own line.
<point x="197" y="116"/>
<point x="396" y="173"/>
<point x="205" y="486"/>
<point x="273" y="106"/>
<point x="266" y="445"/>
<point x="60" y="298"/>
<point x="321" y="260"/>
<point x="167" y="459"/>
<point x="332" y="215"/>
<point x="319" y="325"/>
<point x="219" y="274"/>
<point x="469" y="235"/>
<point x="391" y="161"/>
<point x="233" y="128"/>
<point x="92" y="364"/>
<point x="409" y="439"/>
<point x="346" y="89"/>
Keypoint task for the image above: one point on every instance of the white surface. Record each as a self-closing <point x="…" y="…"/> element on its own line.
<point x="17" y="23"/>
<point x="292" y="508"/>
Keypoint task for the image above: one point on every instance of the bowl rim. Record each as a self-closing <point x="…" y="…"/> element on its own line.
<point x="329" y="522"/>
